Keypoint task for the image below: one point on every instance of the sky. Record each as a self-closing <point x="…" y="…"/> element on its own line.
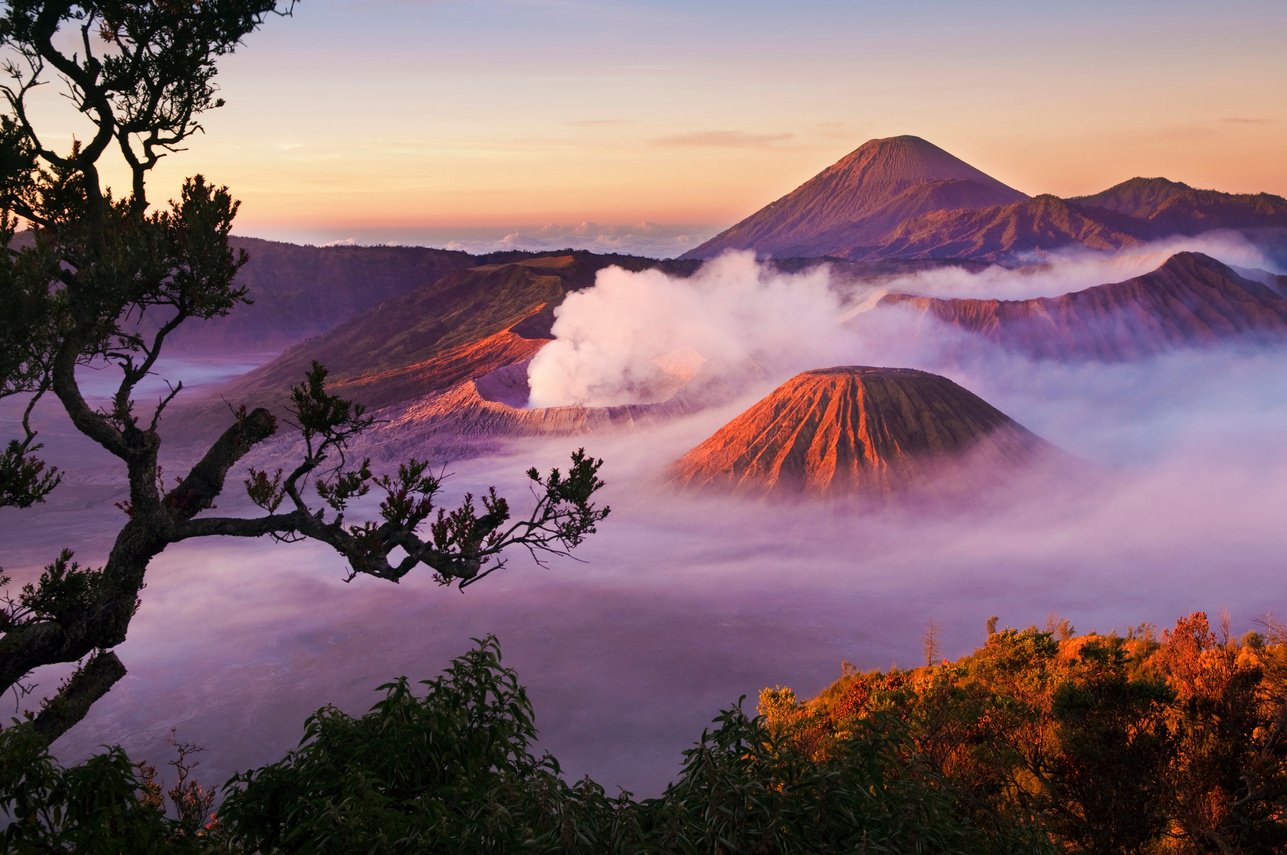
<point x="602" y="121"/>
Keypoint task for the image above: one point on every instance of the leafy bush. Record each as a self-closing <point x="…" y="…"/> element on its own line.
<point x="105" y="805"/>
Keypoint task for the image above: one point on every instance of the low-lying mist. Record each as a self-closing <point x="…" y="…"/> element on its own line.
<point x="1075" y="268"/>
<point x="684" y="602"/>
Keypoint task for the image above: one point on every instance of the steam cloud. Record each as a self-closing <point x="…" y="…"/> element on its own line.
<point x="635" y="336"/>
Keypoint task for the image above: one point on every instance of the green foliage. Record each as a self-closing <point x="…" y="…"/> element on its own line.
<point x="64" y="589"/>
<point x="24" y="478"/>
<point x="1104" y="744"/>
<point x="156" y="71"/>
<point x="570" y="495"/>
<point x="408" y="497"/>
<point x="746" y="789"/>
<point x="1108" y="727"/>
<point x="325" y="420"/>
<point x="26" y="327"/>
<point x="451" y="770"/>
<point x="104" y="806"/>
<point x="264" y="490"/>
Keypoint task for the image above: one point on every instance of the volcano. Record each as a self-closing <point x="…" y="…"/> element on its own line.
<point x="1192" y="300"/>
<point x="479" y="415"/>
<point x="870" y="432"/>
<point x="860" y="198"/>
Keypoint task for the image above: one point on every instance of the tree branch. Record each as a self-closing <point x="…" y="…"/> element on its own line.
<point x="205" y="481"/>
<point x="88" y="422"/>
<point x="66" y="709"/>
<point x="241" y="527"/>
<point x="83" y="78"/>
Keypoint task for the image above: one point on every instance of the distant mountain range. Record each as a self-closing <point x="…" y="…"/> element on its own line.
<point x="905" y="198"/>
<point x="898" y="201"/>
<point x="302" y="291"/>
<point x="298" y="292"/>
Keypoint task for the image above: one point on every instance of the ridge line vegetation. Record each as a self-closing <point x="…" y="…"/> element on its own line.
<point x="1038" y="741"/>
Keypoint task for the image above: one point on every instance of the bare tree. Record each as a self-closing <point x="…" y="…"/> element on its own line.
<point x="930" y="642"/>
<point x="107" y="280"/>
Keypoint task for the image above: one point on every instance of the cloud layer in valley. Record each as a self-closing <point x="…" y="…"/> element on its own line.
<point x="1062" y="271"/>
<point x="688" y="601"/>
<point x="651" y="240"/>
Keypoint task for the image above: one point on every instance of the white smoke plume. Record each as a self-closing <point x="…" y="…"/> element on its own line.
<point x="634" y="337"/>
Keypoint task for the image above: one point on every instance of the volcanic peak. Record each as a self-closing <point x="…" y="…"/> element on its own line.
<point x="861" y="197"/>
<point x="1157" y="207"/>
<point x="905" y="160"/>
<point x="862" y="430"/>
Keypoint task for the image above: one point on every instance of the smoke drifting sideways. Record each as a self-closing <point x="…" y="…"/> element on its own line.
<point x="634" y="338"/>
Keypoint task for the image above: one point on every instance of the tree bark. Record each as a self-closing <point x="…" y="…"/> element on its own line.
<point x="70" y="705"/>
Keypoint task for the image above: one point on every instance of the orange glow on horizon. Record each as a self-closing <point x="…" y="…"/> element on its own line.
<point x="670" y="114"/>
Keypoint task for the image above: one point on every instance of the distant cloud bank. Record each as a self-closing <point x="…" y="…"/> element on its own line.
<point x="652" y="240"/>
<point x="648" y="239"/>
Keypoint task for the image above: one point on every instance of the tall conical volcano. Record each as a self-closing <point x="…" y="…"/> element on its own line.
<point x="866" y="431"/>
<point x="861" y="197"/>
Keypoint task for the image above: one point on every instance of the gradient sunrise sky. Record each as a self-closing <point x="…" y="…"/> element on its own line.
<point x="392" y="119"/>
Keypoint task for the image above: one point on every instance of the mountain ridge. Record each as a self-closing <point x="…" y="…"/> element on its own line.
<point x="1191" y="300"/>
<point x="905" y="198"/>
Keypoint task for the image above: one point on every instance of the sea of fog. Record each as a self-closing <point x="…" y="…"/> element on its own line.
<point x="683" y="603"/>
